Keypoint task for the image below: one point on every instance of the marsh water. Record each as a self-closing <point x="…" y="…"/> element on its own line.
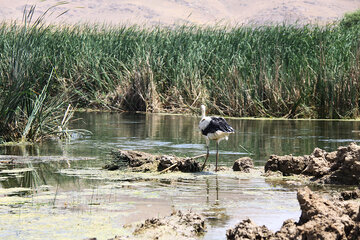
<point x="58" y="189"/>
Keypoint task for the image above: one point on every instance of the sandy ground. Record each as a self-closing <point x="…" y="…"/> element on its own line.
<point x="170" y="12"/>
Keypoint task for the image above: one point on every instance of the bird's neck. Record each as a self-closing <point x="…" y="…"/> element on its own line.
<point x="203" y="113"/>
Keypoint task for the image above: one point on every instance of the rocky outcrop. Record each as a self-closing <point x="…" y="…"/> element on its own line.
<point x="243" y="164"/>
<point x="135" y="160"/>
<point x="348" y="195"/>
<point x="326" y="219"/>
<point x="320" y="219"/>
<point x="338" y="167"/>
<point x="286" y="164"/>
<point x="178" y="164"/>
<point x="178" y="225"/>
<point x="144" y="162"/>
<point x="247" y="229"/>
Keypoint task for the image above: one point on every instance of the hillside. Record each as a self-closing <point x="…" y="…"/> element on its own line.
<point x="170" y="12"/>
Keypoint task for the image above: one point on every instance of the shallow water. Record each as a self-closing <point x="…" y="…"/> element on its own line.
<point x="75" y="199"/>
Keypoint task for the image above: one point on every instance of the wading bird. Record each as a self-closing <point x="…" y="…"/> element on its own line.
<point x="213" y="128"/>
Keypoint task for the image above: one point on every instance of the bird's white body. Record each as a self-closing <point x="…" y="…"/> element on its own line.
<point x="204" y="122"/>
<point x="214" y="128"/>
<point x="217" y="135"/>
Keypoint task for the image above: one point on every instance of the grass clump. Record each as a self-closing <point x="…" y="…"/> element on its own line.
<point x="271" y="71"/>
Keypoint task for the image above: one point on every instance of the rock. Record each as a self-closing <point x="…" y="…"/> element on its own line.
<point x="347" y="195"/>
<point x="312" y="205"/>
<point x="188" y="165"/>
<point x="320" y="219"/>
<point x="286" y="164"/>
<point x="132" y="158"/>
<point x="325" y="219"/>
<point x="243" y="164"/>
<point x="338" y="167"/>
<point x="346" y="167"/>
<point x="319" y="153"/>
<point x="179" y="164"/>
<point x="331" y="156"/>
<point x="287" y="231"/>
<point x="247" y="229"/>
<point x="166" y="162"/>
<point x="145" y="162"/>
<point x="135" y="160"/>
<point x="317" y="166"/>
<point x="178" y="225"/>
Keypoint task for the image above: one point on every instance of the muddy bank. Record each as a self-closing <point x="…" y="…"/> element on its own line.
<point x="145" y="162"/>
<point x="244" y="164"/>
<point x="178" y="225"/>
<point x="338" y="167"/>
<point x="137" y="161"/>
<point x="320" y="218"/>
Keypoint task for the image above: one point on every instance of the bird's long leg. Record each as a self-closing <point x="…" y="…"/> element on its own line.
<point x="217" y="154"/>
<point x="207" y="154"/>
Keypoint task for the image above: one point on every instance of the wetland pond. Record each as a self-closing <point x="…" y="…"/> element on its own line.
<point x="58" y="189"/>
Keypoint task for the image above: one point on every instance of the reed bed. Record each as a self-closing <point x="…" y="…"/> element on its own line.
<point x="29" y="108"/>
<point x="268" y="71"/>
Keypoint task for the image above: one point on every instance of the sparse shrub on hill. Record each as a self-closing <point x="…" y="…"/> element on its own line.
<point x="351" y="19"/>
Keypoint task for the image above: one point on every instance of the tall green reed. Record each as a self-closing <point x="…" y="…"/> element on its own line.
<point x="273" y="71"/>
<point x="27" y="111"/>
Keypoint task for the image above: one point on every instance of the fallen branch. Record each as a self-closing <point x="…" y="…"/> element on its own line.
<point x="202" y="155"/>
<point x="166" y="169"/>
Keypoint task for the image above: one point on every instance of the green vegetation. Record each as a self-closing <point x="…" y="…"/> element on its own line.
<point x="270" y="71"/>
<point x="351" y="20"/>
<point x="28" y="112"/>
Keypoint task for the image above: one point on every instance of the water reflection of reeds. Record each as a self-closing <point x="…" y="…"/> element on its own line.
<point x="180" y="135"/>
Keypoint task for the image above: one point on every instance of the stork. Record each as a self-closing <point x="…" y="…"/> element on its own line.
<point x="213" y="128"/>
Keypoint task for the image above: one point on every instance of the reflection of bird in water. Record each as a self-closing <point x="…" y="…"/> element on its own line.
<point x="214" y="211"/>
<point x="213" y="128"/>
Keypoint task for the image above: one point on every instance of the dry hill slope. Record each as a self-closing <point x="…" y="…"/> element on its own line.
<point x="169" y="12"/>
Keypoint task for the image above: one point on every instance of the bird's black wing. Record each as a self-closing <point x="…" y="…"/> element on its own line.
<point x="217" y="124"/>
